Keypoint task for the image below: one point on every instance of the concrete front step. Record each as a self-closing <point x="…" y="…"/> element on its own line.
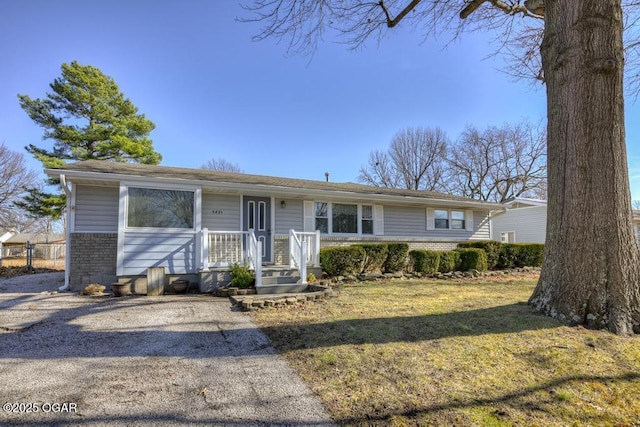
<point x="280" y="288"/>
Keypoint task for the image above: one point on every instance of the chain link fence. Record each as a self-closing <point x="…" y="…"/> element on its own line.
<point x="33" y="255"/>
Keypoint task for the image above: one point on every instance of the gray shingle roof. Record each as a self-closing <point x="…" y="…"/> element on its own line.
<point x="208" y="176"/>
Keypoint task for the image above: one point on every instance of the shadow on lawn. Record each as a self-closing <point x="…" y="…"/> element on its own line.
<point x="381" y="330"/>
<point x="516" y="400"/>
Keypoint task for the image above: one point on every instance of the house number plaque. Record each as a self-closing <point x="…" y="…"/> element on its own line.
<point x="216" y="212"/>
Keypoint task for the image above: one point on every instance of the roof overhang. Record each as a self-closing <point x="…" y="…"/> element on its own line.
<point x="114" y="179"/>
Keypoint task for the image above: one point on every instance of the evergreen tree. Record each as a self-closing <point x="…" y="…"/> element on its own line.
<point x="87" y="117"/>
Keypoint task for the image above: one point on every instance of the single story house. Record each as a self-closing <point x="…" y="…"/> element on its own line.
<point x="523" y="221"/>
<point x="123" y="219"/>
<point x="14" y="244"/>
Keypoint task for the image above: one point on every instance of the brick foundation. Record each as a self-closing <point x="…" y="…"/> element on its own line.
<point x="93" y="258"/>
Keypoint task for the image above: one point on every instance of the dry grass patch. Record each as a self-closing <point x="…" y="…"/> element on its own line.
<point x="462" y="353"/>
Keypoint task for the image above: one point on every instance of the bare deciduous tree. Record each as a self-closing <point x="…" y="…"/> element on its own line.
<point x="591" y="269"/>
<point x="222" y="165"/>
<point x="498" y="163"/>
<point x="14" y="177"/>
<point x="414" y="160"/>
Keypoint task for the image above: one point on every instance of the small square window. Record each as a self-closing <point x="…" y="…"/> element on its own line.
<point x="441" y="218"/>
<point x="457" y="220"/>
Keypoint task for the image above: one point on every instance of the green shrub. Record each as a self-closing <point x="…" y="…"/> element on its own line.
<point x="531" y="254"/>
<point x="449" y="261"/>
<point x="375" y="254"/>
<point x="425" y="262"/>
<point x="396" y="257"/>
<point x="241" y="276"/>
<point x="509" y="255"/>
<point x="473" y="259"/>
<point x="341" y="260"/>
<point x="490" y="247"/>
<point x="517" y="255"/>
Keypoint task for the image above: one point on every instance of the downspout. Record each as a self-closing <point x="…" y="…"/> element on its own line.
<point x="67" y="258"/>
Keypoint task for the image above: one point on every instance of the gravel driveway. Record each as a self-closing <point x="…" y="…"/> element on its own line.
<point x="170" y="360"/>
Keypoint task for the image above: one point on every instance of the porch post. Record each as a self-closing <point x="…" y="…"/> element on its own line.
<point x="258" y="266"/>
<point x="316" y="255"/>
<point x="292" y="262"/>
<point x="204" y="249"/>
<point x="303" y="260"/>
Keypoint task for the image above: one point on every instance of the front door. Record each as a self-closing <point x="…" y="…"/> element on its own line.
<point x="257" y="216"/>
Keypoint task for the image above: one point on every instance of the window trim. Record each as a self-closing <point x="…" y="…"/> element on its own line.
<point x="152" y="186"/>
<point x="359" y="220"/>
<point x="431" y="219"/>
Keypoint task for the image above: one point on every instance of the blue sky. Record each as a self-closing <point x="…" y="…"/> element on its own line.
<point x="193" y="70"/>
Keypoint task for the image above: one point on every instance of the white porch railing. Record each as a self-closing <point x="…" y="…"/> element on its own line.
<point x="304" y="249"/>
<point x="225" y="248"/>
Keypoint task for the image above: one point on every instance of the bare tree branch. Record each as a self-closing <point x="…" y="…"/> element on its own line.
<point x="414" y="160"/>
<point x="222" y="165"/>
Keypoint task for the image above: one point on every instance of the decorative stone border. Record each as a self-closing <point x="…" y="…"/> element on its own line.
<point x="444" y="276"/>
<point x="314" y="292"/>
<point x="322" y="290"/>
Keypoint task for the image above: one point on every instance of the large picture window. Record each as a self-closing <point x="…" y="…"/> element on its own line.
<point x="345" y="218"/>
<point x="158" y="208"/>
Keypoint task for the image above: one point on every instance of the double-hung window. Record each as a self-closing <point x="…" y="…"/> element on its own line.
<point x="445" y="219"/>
<point x="322" y="217"/>
<point x="367" y="219"/>
<point x="441" y="219"/>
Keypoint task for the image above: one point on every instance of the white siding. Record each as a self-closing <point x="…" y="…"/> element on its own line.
<point x="175" y="251"/>
<point x="402" y="221"/>
<point x="529" y="224"/>
<point x="96" y="209"/>
<point x="221" y="212"/>
<point x="288" y="217"/>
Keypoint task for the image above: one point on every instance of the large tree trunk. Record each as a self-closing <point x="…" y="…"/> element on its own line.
<point x="590" y="274"/>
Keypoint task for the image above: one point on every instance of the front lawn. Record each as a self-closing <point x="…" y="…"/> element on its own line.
<point x="454" y="353"/>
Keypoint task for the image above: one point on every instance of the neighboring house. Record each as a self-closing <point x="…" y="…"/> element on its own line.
<point x="3" y="238"/>
<point x="125" y="218"/>
<point x="16" y="244"/>
<point x="524" y="220"/>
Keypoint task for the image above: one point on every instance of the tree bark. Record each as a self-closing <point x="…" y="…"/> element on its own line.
<point x="590" y="274"/>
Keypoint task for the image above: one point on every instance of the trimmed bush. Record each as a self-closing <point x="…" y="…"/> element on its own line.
<point x="518" y="255"/>
<point x="341" y="260"/>
<point x="473" y="259"/>
<point x="531" y="254"/>
<point x="397" y="254"/>
<point x="425" y="262"/>
<point x="449" y="261"/>
<point x="509" y="253"/>
<point x="375" y="254"/>
<point x="490" y="247"/>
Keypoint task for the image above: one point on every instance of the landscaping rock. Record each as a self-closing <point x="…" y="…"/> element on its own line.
<point x="93" y="289"/>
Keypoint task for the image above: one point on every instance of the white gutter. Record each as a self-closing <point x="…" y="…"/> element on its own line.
<point x="67" y="258"/>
